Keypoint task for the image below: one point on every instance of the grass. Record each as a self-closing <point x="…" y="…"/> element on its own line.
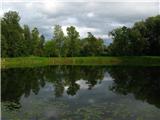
<point x="43" y="61"/>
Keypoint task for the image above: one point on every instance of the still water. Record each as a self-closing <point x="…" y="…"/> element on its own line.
<point x="80" y="93"/>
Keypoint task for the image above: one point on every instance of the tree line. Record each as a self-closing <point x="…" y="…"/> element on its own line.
<point x="141" y="39"/>
<point x="21" y="41"/>
<point x="16" y="40"/>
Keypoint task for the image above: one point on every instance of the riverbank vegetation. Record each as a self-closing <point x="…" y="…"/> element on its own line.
<point x="142" y="39"/>
<point x="43" y="61"/>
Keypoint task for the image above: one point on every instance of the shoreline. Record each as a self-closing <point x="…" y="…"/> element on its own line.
<point x="106" y="61"/>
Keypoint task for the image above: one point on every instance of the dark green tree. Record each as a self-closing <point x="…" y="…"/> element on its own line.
<point x="12" y="37"/>
<point x="27" y="40"/>
<point x="92" y="46"/>
<point x="40" y="47"/>
<point x="142" y="39"/>
<point x="152" y="35"/>
<point x="120" y="45"/>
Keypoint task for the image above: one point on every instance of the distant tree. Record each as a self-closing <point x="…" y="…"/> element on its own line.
<point x="65" y="48"/>
<point x="120" y="45"/>
<point x="59" y="39"/>
<point x="49" y="48"/>
<point x="27" y="40"/>
<point x="84" y="48"/>
<point x="40" y="46"/>
<point x="73" y="41"/>
<point x="35" y="41"/>
<point x="92" y="46"/>
<point x="137" y="43"/>
<point x="100" y="47"/>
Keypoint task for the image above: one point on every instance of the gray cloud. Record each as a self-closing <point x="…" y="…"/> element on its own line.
<point x="96" y="17"/>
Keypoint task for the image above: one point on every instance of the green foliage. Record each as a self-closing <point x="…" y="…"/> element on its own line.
<point x="142" y="39"/>
<point x="49" y="49"/>
<point x="35" y="41"/>
<point x="92" y="46"/>
<point x="28" y="40"/>
<point x="17" y="41"/>
<point x="40" y="46"/>
<point x="12" y="38"/>
<point x="59" y="39"/>
<point x="43" y="61"/>
<point x="73" y="42"/>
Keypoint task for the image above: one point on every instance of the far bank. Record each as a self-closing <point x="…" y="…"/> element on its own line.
<point x="43" y="61"/>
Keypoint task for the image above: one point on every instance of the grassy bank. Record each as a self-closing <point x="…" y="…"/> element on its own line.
<point x="43" y="61"/>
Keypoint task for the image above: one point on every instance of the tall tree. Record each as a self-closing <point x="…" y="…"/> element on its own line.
<point x="4" y="42"/>
<point x="12" y="37"/>
<point x="59" y="39"/>
<point x="35" y="41"/>
<point x="92" y="45"/>
<point x="27" y="40"/>
<point x="120" y="41"/>
<point x="73" y="41"/>
<point x="41" y="45"/>
<point x="136" y="43"/>
<point x="153" y="34"/>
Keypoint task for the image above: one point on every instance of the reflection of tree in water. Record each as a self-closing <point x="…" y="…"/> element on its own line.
<point x="19" y="82"/>
<point x="92" y="75"/>
<point x="144" y="83"/>
<point x="63" y="76"/>
<point x="73" y="74"/>
<point x="55" y="75"/>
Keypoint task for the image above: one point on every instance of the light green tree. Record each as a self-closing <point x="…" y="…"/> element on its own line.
<point x="35" y="41"/>
<point x="59" y="39"/>
<point x="50" y="48"/>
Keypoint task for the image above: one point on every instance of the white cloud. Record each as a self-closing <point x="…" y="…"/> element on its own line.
<point x="117" y="24"/>
<point x="80" y="0"/>
<point x="91" y="14"/>
<point x="50" y="6"/>
<point x="70" y="21"/>
<point x="82" y="84"/>
<point x="96" y="17"/>
<point x="83" y="30"/>
<point x="102" y="36"/>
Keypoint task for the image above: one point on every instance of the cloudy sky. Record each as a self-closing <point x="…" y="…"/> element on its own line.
<point x="96" y="16"/>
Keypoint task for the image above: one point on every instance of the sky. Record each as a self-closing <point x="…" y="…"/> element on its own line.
<point x="96" y="16"/>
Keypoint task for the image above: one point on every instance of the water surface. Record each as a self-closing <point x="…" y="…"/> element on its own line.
<point x="81" y="93"/>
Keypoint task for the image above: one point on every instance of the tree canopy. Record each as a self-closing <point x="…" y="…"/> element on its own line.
<point x="141" y="39"/>
<point x="16" y="40"/>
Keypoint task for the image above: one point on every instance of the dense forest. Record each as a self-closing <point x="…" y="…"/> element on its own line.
<point x="143" y="38"/>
